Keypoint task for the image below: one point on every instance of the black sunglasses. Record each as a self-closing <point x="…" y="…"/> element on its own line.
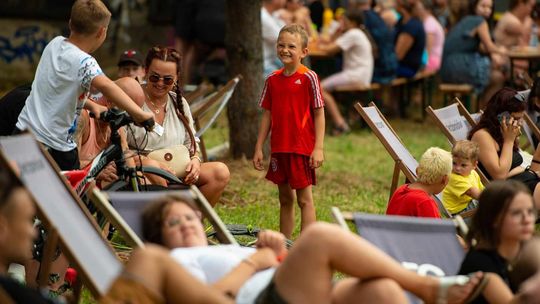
<point x="168" y="80"/>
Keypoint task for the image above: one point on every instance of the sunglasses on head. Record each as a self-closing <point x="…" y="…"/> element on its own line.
<point x="168" y="80"/>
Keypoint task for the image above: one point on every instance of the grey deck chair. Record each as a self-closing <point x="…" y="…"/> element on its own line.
<point x="123" y="210"/>
<point x="403" y="160"/>
<point x="455" y="122"/>
<point x="66" y="217"/>
<point x="199" y="108"/>
<point x="425" y="245"/>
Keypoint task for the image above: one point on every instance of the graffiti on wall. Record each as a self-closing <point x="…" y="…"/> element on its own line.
<point x="26" y="43"/>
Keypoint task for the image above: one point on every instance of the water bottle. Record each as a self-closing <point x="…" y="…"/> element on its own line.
<point x="533" y="42"/>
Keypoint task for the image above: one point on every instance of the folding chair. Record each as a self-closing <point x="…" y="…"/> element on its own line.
<point x="125" y="210"/>
<point x="200" y="108"/>
<point x="67" y="219"/>
<point x="425" y="245"/>
<point x="199" y="92"/>
<point x="403" y="160"/>
<point x="455" y="122"/>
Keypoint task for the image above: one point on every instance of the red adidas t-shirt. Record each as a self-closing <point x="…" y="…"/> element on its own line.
<point x="412" y="202"/>
<point x="291" y="100"/>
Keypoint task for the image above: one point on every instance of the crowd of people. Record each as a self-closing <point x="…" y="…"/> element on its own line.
<point x="379" y="42"/>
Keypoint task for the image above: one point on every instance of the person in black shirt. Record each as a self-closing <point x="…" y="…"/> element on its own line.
<point x="503" y="221"/>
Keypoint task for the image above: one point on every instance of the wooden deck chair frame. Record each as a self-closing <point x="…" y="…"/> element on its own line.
<point x="399" y="163"/>
<point x="200" y="108"/>
<point x="467" y="116"/>
<point x="67" y="219"/>
<point x="101" y="201"/>
<point x="200" y="92"/>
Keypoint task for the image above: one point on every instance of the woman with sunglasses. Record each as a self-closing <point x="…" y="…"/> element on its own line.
<point x="497" y="134"/>
<point x="164" y="99"/>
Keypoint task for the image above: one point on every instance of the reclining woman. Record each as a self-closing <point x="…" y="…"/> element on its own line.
<point x="151" y="276"/>
<point x="171" y="110"/>
<point x="497" y="135"/>
<point x="270" y="274"/>
<point x="503" y="221"/>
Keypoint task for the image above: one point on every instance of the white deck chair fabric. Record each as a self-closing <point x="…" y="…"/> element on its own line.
<point x="94" y="258"/>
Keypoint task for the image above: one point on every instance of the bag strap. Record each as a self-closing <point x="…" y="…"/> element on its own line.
<point x="185" y="122"/>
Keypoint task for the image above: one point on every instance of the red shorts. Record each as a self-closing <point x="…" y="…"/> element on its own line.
<point x="292" y="169"/>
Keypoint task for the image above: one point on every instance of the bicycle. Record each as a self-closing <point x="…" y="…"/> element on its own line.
<point x="128" y="177"/>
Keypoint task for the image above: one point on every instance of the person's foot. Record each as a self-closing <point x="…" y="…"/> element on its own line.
<point x="457" y="289"/>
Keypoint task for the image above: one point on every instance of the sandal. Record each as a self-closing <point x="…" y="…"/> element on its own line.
<point x="460" y="280"/>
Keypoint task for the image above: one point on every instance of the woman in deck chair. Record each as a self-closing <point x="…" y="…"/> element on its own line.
<point x="150" y="277"/>
<point x="171" y="110"/>
<point x="497" y="134"/>
<point x="503" y="221"/>
<point x="270" y="274"/>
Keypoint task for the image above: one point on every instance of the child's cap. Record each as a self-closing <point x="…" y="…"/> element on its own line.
<point x="131" y="56"/>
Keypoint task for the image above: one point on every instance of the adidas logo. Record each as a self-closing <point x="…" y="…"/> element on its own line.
<point x="298" y="81"/>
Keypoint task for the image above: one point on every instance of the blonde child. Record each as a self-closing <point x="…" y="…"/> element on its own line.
<point x="293" y="111"/>
<point x="463" y="190"/>
<point x="415" y="199"/>
<point x="62" y="84"/>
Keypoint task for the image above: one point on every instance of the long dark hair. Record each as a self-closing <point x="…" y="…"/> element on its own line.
<point x="168" y="54"/>
<point x="357" y="16"/>
<point x="493" y="204"/>
<point x="503" y="101"/>
<point x="8" y="184"/>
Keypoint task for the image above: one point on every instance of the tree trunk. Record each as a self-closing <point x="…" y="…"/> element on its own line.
<point x="243" y="41"/>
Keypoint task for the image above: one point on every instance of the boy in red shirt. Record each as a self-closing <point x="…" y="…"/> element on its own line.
<point x="415" y="199"/>
<point x="293" y="111"/>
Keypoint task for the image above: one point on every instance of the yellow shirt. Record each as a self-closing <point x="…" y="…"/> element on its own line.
<point x="454" y="197"/>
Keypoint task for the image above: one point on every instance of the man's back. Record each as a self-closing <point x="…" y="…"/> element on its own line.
<point x="511" y="32"/>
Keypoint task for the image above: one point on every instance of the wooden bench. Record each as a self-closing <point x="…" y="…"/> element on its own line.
<point x="463" y="91"/>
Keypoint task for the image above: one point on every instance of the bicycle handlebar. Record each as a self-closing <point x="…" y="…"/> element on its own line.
<point x="118" y="118"/>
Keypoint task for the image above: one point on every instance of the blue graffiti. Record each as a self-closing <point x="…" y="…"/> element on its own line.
<point x="32" y="42"/>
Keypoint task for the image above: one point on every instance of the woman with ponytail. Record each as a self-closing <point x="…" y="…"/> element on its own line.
<point x="164" y="98"/>
<point x="358" y="49"/>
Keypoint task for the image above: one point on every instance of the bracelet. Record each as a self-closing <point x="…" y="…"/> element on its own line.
<point x="196" y="157"/>
<point x="535" y="161"/>
<point x="250" y="262"/>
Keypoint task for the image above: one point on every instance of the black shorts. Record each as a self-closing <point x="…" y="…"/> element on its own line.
<point x="66" y="161"/>
<point x="529" y="178"/>
<point x="270" y="295"/>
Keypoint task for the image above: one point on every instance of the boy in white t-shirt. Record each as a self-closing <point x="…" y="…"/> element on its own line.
<point x="62" y="83"/>
<point x="358" y="48"/>
<point x="464" y="188"/>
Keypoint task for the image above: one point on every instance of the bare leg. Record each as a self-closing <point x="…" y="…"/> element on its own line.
<point x="372" y="291"/>
<point x="212" y="181"/>
<point x="286" y="210"/>
<point x="159" y="273"/>
<point x="307" y="208"/>
<point x="332" y="109"/>
<point x="323" y="248"/>
<point x="536" y="196"/>
<point x="187" y="50"/>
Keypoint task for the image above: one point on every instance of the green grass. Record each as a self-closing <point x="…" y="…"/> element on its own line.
<point x="356" y="175"/>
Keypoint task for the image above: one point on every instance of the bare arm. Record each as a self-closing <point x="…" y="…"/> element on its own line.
<point x="233" y="281"/>
<point x="114" y="94"/>
<point x="329" y="48"/>
<point x="264" y="129"/>
<point x="474" y="192"/>
<point x="317" y="156"/>
<point x="497" y="167"/>
<point x="403" y="45"/>
<point x="485" y="38"/>
<point x="496" y="291"/>
<point x="429" y="43"/>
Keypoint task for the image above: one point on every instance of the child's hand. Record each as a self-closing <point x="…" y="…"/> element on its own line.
<point x="258" y="160"/>
<point x="273" y="240"/>
<point x="316" y="159"/>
